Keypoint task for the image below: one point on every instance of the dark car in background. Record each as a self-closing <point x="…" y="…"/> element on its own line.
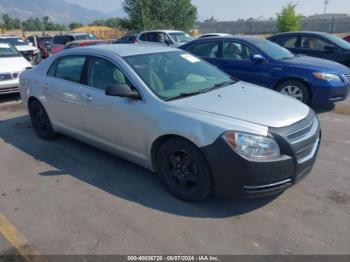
<point x="347" y="38"/>
<point x="59" y="41"/>
<point x="43" y="43"/>
<point x="128" y="39"/>
<point x="316" y="44"/>
<point x="311" y="80"/>
<point x="82" y="43"/>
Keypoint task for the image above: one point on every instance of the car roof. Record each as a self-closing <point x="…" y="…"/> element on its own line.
<point x="129" y="49"/>
<point x="302" y="32"/>
<point x="72" y="34"/>
<point x="89" y="41"/>
<point x="8" y="36"/>
<point x="165" y="31"/>
<point x="235" y="37"/>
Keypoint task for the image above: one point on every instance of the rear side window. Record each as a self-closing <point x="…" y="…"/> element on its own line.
<point x="207" y="49"/>
<point x="68" y="68"/>
<point x="287" y="41"/>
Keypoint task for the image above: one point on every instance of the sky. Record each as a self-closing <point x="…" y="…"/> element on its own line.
<point x="228" y="10"/>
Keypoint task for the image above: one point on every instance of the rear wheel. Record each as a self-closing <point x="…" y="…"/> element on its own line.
<point x="295" y="89"/>
<point x="184" y="170"/>
<point x="40" y="121"/>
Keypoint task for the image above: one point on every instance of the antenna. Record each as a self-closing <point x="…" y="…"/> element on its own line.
<point x="326" y="3"/>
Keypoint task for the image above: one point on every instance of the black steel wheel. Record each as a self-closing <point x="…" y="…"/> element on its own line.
<point x="40" y="121"/>
<point x="184" y="170"/>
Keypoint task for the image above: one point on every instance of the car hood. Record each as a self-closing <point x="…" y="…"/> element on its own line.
<point x="317" y="64"/>
<point x="13" y="64"/>
<point x="249" y="103"/>
<point x="23" y="48"/>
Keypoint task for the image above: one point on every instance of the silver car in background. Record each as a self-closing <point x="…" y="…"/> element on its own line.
<point x="172" y="113"/>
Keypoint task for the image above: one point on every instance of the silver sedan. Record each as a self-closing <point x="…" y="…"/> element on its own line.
<point x="171" y="112"/>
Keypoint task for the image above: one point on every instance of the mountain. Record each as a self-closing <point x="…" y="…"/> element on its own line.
<point x="58" y="11"/>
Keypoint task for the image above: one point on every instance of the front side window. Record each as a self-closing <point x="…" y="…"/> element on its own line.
<point x="287" y="41"/>
<point x="172" y="75"/>
<point x="314" y="43"/>
<point x="207" y="49"/>
<point x="69" y="68"/>
<point x="237" y="51"/>
<point x="103" y="74"/>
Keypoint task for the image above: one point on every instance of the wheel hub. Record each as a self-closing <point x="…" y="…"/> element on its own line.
<point x="293" y="91"/>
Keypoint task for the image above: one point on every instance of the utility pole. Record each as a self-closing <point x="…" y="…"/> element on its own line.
<point x="326" y="2"/>
<point x="143" y="16"/>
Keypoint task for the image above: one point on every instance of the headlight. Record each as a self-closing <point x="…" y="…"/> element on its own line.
<point x="251" y="145"/>
<point x="327" y="77"/>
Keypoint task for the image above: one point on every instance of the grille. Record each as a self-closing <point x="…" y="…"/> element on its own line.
<point x="6" y="76"/>
<point x="300" y="140"/>
<point x="305" y="141"/>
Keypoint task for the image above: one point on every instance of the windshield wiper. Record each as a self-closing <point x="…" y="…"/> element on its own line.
<point x="182" y="95"/>
<point x="220" y="85"/>
<point x="216" y="86"/>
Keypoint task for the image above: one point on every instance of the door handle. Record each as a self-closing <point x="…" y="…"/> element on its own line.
<point x="88" y="98"/>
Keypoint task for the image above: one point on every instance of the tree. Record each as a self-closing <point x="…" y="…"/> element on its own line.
<point x="211" y="20"/>
<point x="74" y="25"/>
<point x="159" y="14"/>
<point x="288" y="20"/>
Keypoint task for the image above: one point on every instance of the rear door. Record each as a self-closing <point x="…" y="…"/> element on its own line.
<point x="291" y="42"/>
<point x="63" y="90"/>
<point x="209" y="50"/>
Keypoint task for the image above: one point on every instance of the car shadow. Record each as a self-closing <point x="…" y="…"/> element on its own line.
<point x="114" y="175"/>
<point x="10" y="98"/>
<point x="323" y="109"/>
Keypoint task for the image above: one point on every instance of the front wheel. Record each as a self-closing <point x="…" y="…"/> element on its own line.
<point x="184" y="171"/>
<point x="295" y="89"/>
<point x="40" y="121"/>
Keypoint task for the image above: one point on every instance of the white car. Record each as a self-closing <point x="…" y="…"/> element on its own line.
<point x="30" y="52"/>
<point x="164" y="37"/>
<point x="212" y="35"/>
<point x="12" y="63"/>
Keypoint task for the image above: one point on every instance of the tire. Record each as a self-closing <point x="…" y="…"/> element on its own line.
<point x="184" y="171"/>
<point x="295" y="89"/>
<point x="40" y="121"/>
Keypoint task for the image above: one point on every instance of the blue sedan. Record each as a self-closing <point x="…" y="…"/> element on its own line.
<point x="311" y="80"/>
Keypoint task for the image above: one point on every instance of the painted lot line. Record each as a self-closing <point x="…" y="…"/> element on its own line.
<point x="11" y="234"/>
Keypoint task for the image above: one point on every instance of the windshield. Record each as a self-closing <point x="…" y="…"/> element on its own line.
<point x="7" y="50"/>
<point x="174" y="75"/>
<point x="273" y="50"/>
<point x="15" y="41"/>
<point x="82" y="37"/>
<point x="180" y="37"/>
<point x="338" y="41"/>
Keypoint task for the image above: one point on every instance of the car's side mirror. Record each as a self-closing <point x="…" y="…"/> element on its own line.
<point x="122" y="90"/>
<point x="258" y="59"/>
<point x="330" y="49"/>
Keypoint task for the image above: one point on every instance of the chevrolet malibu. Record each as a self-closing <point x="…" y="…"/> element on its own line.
<point x="177" y="115"/>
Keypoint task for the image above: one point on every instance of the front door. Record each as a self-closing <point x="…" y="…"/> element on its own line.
<point x="115" y="122"/>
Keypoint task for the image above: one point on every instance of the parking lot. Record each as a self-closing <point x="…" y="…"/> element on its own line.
<point x="65" y="197"/>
